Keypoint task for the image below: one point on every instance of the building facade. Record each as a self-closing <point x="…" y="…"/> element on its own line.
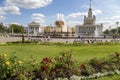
<point x="33" y="28"/>
<point x="89" y="26"/>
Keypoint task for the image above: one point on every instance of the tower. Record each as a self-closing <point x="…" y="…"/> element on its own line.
<point x="90" y="10"/>
<point x="90" y="19"/>
<point x="89" y="26"/>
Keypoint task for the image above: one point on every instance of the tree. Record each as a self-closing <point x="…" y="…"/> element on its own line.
<point x="118" y="30"/>
<point x="113" y="31"/>
<point x="106" y="32"/>
<point x="16" y="28"/>
<point x="2" y="29"/>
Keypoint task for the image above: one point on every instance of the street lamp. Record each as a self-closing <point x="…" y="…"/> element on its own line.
<point x="117" y="23"/>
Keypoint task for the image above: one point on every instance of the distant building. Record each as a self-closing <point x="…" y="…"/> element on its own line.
<point x="33" y="28"/>
<point x="59" y="29"/>
<point x="89" y="26"/>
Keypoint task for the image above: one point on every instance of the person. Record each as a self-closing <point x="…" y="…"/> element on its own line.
<point x="79" y="36"/>
<point x="66" y="42"/>
<point x="6" y="36"/>
<point x="104" y="36"/>
<point x="48" y="38"/>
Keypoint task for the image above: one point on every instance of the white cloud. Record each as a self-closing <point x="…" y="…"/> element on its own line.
<point x="115" y="17"/>
<point x="37" y="17"/>
<point x="97" y="12"/>
<point x="2" y="17"/>
<point x="15" y="23"/>
<point x="81" y="14"/>
<point x="109" y="22"/>
<point x="29" y="4"/>
<point x="9" y="10"/>
<point x="112" y="19"/>
<point x="104" y="22"/>
<point x="77" y="15"/>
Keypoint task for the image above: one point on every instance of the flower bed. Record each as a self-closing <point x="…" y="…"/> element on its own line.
<point x="62" y="67"/>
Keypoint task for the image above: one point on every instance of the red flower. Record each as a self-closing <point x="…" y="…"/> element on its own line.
<point x="43" y="68"/>
<point x="46" y="60"/>
<point x="83" y="66"/>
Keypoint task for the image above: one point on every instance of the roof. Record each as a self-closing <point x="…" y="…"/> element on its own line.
<point x="33" y="23"/>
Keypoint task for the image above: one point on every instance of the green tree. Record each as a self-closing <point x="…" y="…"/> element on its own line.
<point x="118" y="30"/>
<point x="16" y="28"/>
<point x="2" y="29"/>
<point x="113" y="31"/>
<point x="106" y="32"/>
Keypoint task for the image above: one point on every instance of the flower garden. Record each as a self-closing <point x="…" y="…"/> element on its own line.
<point x="76" y="61"/>
<point x="61" y="67"/>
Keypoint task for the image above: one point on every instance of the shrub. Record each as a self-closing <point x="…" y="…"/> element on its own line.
<point x="64" y="65"/>
<point x="10" y="67"/>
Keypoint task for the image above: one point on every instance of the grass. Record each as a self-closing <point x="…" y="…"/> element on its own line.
<point x="81" y="53"/>
<point x="114" y="77"/>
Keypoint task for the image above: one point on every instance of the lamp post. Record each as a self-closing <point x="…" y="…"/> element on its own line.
<point x="117" y="23"/>
<point x="28" y="32"/>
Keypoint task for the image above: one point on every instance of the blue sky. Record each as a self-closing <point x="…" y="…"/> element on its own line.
<point x="46" y="12"/>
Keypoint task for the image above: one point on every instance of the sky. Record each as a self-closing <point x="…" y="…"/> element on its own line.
<point x="46" y="12"/>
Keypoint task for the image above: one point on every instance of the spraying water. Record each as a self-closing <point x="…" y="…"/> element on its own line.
<point x="61" y="17"/>
<point x="96" y="32"/>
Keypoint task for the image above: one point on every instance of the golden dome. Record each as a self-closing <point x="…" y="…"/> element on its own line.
<point x="59" y="23"/>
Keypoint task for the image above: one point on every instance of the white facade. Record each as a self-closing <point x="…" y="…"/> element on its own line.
<point x="89" y="26"/>
<point x="33" y="28"/>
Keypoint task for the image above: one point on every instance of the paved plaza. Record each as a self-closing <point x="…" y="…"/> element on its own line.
<point x="65" y="40"/>
<point x="9" y="39"/>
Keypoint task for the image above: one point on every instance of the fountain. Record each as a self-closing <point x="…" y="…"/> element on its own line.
<point x="61" y="17"/>
<point x="96" y="32"/>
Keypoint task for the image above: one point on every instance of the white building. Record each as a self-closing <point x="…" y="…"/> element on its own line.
<point x="89" y="26"/>
<point x="33" y="28"/>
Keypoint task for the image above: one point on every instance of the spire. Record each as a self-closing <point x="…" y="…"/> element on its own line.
<point x="90" y="4"/>
<point x="90" y="10"/>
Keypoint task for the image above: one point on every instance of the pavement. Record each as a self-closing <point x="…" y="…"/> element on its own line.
<point x="9" y="39"/>
<point x="13" y="39"/>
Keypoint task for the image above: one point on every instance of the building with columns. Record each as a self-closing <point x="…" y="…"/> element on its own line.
<point x="33" y="28"/>
<point x="89" y="27"/>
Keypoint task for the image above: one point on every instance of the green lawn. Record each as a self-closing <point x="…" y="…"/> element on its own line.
<point x="81" y="53"/>
<point x="114" y="77"/>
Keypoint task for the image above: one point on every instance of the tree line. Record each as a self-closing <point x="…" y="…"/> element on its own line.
<point x="13" y="28"/>
<point x="112" y="32"/>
